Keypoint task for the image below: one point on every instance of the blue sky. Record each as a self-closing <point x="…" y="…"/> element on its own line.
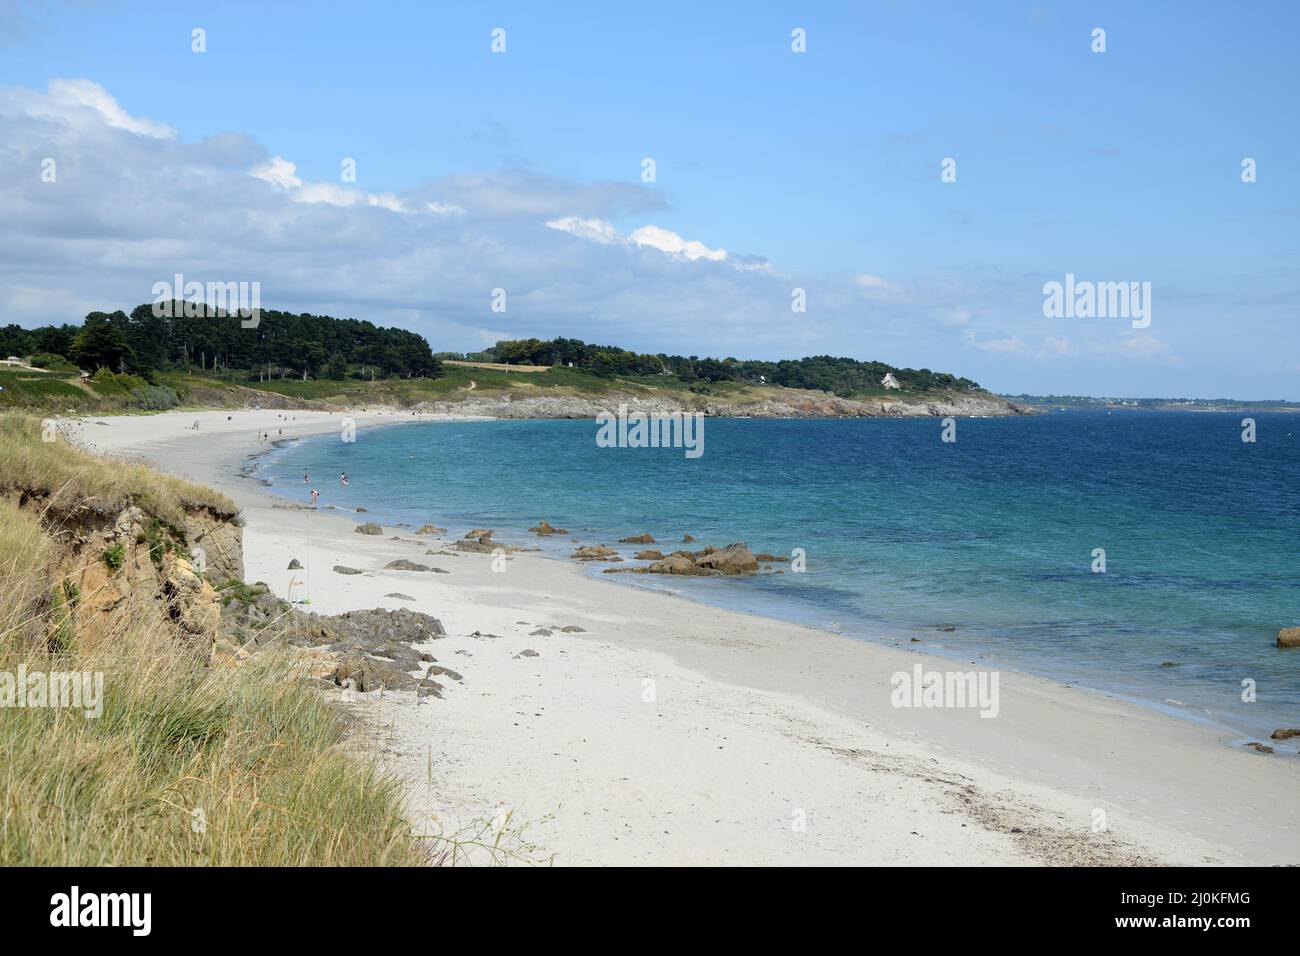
<point x="817" y="170"/>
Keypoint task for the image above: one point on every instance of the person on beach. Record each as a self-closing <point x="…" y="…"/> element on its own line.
<point x="306" y="480"/>
<point x="314" y="496"/>
<point x="343" y="479"/>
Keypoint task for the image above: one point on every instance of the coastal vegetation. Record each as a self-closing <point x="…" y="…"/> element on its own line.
<point x="186" y="755"/>
<point x="120" y="362"/>
<point x="282" y="344"/>
<point x="844" y="377"/>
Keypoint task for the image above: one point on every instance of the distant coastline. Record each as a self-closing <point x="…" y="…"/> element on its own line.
<point x="1088" y="402"/>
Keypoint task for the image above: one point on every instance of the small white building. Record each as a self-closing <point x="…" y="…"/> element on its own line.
<point x="889" y="381"/>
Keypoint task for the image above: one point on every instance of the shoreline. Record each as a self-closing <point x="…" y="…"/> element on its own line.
<point x="734" y="597"/>
<point x="608" y="777"/>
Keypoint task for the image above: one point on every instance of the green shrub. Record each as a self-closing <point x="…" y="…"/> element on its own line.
<point x="52" y="361"/>
<point x="107" y="383"/>
<point x="114" y="556"/>
<point x="156" y="398"/>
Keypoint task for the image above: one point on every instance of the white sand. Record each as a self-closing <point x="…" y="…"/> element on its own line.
<point x="754" y="726"/>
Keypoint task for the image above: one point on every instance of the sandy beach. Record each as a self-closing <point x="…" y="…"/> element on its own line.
<point x="617" y="725"/>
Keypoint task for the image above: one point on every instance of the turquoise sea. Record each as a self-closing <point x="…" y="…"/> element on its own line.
<point x="906" y="535"/>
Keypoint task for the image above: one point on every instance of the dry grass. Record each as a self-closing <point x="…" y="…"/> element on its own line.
<point x="67" y="478"/>
<point x="497" y="366"/>
<point x="186" y="764"/>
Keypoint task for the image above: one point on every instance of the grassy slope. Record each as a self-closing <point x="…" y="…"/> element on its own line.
<point x="64" y="477"/>
<point x="187" y="764"/>
<point x="523" y="382"/>
<point x="57" y="394"/>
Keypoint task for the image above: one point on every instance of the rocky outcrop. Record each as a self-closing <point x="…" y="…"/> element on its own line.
<point x="595" y="552"/>
<point x="734" y="559"/>
<point x="220" y="542"/>
<point x="368" y="528"/>
<point x="543" y="528"/>
<point x="650" y="554"/>
<point x="364" y="650"/>
<point x="480" y="541"/>
<point x="430" y="529"/>
<point x="638" y="539"/>
<point x="401" y="564"/>
<point x="113" y="567"/>
<point x="125" y="568"/>
<point x="190" y="601"/>
<point x="1288" y="637"/>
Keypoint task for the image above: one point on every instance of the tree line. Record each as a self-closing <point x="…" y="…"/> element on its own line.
<point x="838" y="375"/>
<point x="283" y="344"/>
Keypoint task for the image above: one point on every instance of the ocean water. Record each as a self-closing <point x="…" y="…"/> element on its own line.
<point x="905" y="535"/>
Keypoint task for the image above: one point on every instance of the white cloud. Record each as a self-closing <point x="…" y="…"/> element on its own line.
<point x="444" y="208"/>
<point x="665" y="240"/>
<point x="387" y="201"/>
<point x="141" y="208"/>
<point x="283" y="175"/>
<point x="597" y="230"/>
<point x="330" y="194"/>
<point x="69" y="96"/>
<point x="654" y="237"/>
<point x="279" y="172"/>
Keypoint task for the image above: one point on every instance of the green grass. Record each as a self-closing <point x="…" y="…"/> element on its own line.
<point x="25" y="389"/>
<point x="109" y="392"/>
<point x="187" y="764"/>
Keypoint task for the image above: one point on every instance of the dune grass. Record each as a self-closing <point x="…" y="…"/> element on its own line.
<point x="67" y="478"/>
<point x="186" y="764"/>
